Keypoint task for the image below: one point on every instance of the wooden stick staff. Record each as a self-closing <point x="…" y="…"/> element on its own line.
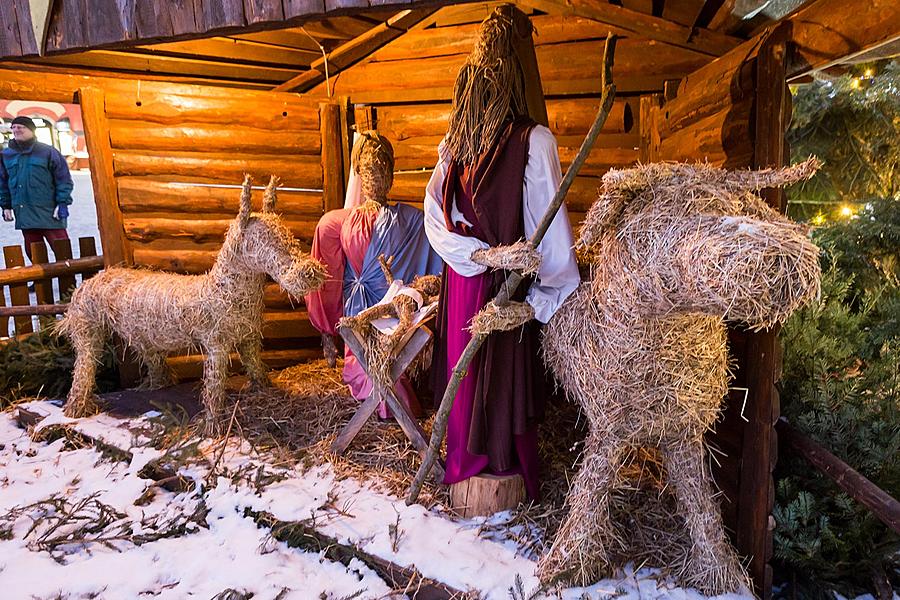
<point x="439" y="430"/>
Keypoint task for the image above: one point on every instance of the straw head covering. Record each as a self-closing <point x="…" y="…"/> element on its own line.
<point x="373" y="160"/>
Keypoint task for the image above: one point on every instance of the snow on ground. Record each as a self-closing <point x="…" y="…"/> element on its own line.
<point x="223" y="548"/>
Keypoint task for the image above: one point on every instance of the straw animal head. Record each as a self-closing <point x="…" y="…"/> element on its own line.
<point x="427" y="285"/>
<point x="261" y="243"/>
<point x="698" y="239"/>
<point x="373" y="160"/>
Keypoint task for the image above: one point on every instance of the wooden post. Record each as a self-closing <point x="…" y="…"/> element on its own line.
<point x="760" y="449"/>
<point x="62" y="252"/>
<point x="18" y="293"/>
<point x="649" y="127"/>
<point x="116" y="249"/>
<point x="43" y="288"/>
<point x="87" y="247"/>
<point x="332" y="156"/>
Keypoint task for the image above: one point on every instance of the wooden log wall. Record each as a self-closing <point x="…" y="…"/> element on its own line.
<point x="152" y="150"/>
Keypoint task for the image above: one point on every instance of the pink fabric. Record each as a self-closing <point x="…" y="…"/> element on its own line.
<point x="344" y="235"/>
<point x="465" y="297"/>
<point x="326" y="305"/>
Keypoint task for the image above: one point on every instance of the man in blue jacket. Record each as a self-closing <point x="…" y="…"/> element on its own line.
<point x="35" y="186"/>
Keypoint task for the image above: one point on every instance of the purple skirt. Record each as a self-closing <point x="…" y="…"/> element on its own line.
<point x="465" y="297"/>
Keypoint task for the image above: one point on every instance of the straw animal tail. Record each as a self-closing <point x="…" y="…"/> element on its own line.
<point x="271" y="194"/>
<point x="245" y="205"/>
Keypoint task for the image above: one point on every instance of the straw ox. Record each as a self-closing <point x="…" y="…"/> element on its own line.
<point x="641" y="344"/>
<point x="159" y="313"/>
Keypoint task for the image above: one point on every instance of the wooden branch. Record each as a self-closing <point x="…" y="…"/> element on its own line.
<point x="354" y="50"/>
<point x="883" y="505"/>
<point x="48" y="270"/>
<point x="439" y="429"/>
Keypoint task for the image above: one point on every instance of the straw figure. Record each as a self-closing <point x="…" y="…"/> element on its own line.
<point x="423" y="290"/>
<point x="219" y="312"/>
<point x="677" y="251"/>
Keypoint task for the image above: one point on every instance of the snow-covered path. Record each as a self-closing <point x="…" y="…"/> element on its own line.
<point x="209" y="543"/>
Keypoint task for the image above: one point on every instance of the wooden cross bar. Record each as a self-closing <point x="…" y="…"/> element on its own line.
<point x="405" y="352"/>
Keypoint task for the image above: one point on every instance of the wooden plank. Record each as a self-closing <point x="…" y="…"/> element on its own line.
<point x="723" y="138"/>
<point x="43" y="288"/>
<point x="145" y="61"/>
<point x="200" y="231"/>
<point x="18" y="292"/>
<point x="108" y="21"/>
<point x="288" y="324"/>
<point x="42" y="310"/>
<point x="162" y="18"/>
<point x="20" y="275"/>
<point x="236" y="50"/>
<point x="116" y="249"/>
<point x="883" y="505"/>
<point x="333" y="169"/>
<point x="825" y="32"/>
<point x="256" y="11"/>
<point x="87" y="247"/>
<point x="191" y="366"/>
<point x="67" y="26"/>
<point x="710" y="43"/>
<point x="153" y="195"/>
<point x="215" y="14"/>
<point x="683" y="12"/>
<point x="136" y="135"/>
<point x="278" y="112"/>
<point x="62" y="252"/>
<point x="356" y="49"/>
<point x="297" y="171"/>
<point x="31" y="33"/>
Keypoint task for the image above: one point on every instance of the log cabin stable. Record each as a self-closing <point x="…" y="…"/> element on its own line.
<point x="177" y="96"/>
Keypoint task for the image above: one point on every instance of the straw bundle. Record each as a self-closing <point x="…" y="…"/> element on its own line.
<point x="641" y="345"/>
<point x="501" y="318"/>
<point x="159" y="313"/>
<point x="520" y="256"/>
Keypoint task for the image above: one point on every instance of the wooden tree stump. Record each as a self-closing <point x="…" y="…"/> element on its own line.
<point x="485" y="494"/>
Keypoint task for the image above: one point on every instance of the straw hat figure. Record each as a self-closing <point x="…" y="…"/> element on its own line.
<point x="677" y="251"/>
<point x="217" y="313"/>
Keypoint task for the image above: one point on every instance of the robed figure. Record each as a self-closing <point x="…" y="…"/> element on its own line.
<point x="348" y="242"/>
<point x="496" y="174"/>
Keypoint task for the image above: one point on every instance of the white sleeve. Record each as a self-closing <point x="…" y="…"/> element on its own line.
<point x="558" y="276"/>
<point x="455" y="249"/>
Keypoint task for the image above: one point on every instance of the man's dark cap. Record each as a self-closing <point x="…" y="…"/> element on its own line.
<point x="26" y="121"/>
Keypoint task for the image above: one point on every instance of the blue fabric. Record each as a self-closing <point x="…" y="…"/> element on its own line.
<point x="399" y="231"/>
<point x="34" y="178"/>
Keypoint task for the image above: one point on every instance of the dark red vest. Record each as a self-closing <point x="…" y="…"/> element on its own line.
<point x="510" y="374"/>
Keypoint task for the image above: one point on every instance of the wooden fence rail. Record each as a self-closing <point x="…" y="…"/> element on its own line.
<point x="48" y="299"/>
<point x="880" y="503"/>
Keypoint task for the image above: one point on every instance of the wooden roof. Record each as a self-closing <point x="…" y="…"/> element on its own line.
<point x="280" y="44"/>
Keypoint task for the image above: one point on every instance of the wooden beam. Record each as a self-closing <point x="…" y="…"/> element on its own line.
<point x="236" y="50"/>
<point x="827" y="32"/>
<point x="140" y="61"/>
<point x="349" y="53"/>
<point x="700" y="40"/>
<point x="683" y="12"/>
<point x="332" y="157"/>
<point x="116" y="249"/>
<point x="883" y="505"/>
<point x="762" y="358"/>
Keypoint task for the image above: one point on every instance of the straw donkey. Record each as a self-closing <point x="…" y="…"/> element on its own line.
<point x="219" y="312"/>
<point x="641" y="344"/>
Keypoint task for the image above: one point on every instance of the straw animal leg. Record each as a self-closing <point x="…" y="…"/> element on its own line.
<point x="580" y="552"/>
<point x="88" y="344"/>
<point x="250" y="352"/>
<point x="405" y="315"/>
<point x="158" y="374"/>
<point x="714" y="567"/>
<point x="215" y="373"/>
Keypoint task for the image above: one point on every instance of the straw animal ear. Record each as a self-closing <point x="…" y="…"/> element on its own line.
<point x="270" y="195"/>
<point x="244" y="209"/>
